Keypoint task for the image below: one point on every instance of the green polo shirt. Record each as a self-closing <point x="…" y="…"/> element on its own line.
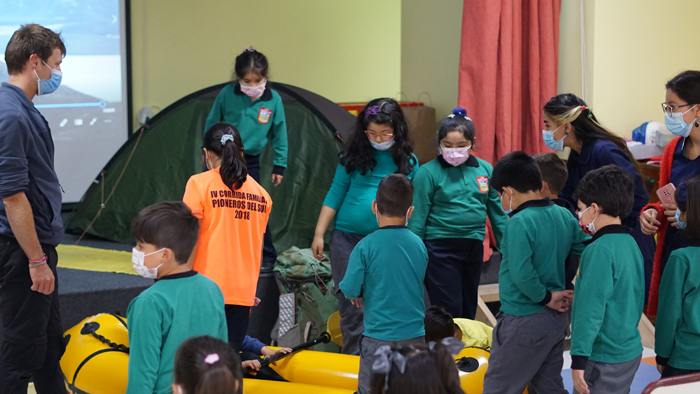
<point x="678" y="320"/>
<point x="608" y="299"/>
<point x="259" y="122"/>
<point x="536" y="242"/>
<point x="454" y="201"/>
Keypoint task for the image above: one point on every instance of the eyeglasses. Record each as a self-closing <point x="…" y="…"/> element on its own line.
<point x="382" y="136"/>
<point x="670" y="109"/>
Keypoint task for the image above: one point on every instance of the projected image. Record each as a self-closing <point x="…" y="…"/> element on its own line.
<point x="88" y="112"/>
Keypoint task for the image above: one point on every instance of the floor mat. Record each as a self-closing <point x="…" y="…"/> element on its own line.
<point x="94" y="259"/>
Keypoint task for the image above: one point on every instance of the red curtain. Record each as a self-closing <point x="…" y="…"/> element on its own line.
<point x="508" y="71"/>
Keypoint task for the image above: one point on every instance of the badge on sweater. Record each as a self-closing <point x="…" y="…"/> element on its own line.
<point x="483" y="182"/>
<point x="264" y="115"/>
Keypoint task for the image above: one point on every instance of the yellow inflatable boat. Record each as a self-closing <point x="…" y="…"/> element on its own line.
<point x="96" y="361"/>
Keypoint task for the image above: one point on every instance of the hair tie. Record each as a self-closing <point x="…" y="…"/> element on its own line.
<point x="452" y="344"/>
<point x="682" y="193"/>
<point x="460" y="111"/>
<point x="211" y="358"/>
<point x="249" y="49"/>
<point x="384" y="358"/>
<point x="226" y="137"/>
<point x="583" y="107"/>
<point x="373" y="110"/>
<point x="590" y="115"/>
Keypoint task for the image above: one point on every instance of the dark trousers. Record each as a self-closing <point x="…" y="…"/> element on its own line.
<point x="237" y="317"/>
<point x="265" y="373"/>
<point x="32" y="343"/>
<point x="453" y="274"/>
<point x="269" y="255"/>
<point x="352" y="323"/>
<point x="670" y="371"/>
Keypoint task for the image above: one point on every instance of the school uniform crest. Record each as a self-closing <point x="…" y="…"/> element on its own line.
<point x="264" y="115"/>
<point x="483" y="184"/>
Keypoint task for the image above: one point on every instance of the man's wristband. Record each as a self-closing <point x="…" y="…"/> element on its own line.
<point x="35" y="263"/>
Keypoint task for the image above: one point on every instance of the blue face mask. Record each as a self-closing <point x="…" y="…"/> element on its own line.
<point x="510" y="206"/>
<point x="682" y="225"/>
<point x="676" y="125"/>
<point x="548" y="137"/>
<point x="46" y="86"/>
<point x="383" y="146"/>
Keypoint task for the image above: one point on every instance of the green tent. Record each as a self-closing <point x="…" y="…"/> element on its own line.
<point x="158" y="159"/>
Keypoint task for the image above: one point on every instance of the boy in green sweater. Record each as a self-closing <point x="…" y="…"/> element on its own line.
<point x="180" y="304"/>
<point x="528" y="340"/>
<point x="385" y="274"/>
<point x="605" y="344"/>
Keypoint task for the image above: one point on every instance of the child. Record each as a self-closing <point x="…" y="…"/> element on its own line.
<point x="427" y="369"/>
<point x="439" y="324"/>
<point x="379" y="147"/>
<point x="452" y="203"/>
<point x="678" y="323"/>
<point x="528" y="340"/>
<point x="179" y="305"/>
<point x="257" y="112"/>
<point x="554" y="175"/>
<point x="605" y="344"/>
<point x="207" y="365"/>
<point x="385" y="273"/>
<point x="233" y="210"/>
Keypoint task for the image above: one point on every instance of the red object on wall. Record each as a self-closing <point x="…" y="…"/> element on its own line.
<point x="508" y="71"/>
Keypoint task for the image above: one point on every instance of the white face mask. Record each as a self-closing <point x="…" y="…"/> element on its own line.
<point x="253" y="91"/>
<point x="138" y="257"/>
<point x="382" y="146"/>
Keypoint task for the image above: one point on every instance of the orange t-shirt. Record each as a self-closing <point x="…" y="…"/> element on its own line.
<point x="232" y="225"/>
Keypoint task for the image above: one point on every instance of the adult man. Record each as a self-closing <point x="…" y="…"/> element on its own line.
<point x="30" y="220"/>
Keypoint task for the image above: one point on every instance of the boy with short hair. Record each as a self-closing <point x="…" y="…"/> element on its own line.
<point x="385" y="273"/>
<point x="606" y="347"/>
<point x="180" y="304"/>
<point x="440" y="324"/>
<point x="528" y="340"/>
<point x="554" y="176"/>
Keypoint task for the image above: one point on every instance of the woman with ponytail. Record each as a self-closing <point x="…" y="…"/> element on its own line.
<point x="206" y="365"/>
<point x="569" y="122"/>
<point x="233" y="210"/>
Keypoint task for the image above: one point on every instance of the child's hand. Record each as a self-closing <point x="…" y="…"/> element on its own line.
<point x="561" y="300"/>
<point x="357" y="302"/>
<point x="649" y="221"/>
<point x="252" y="364"/>
<point x="267" y="352"/>
<point x="579" y="382"/>
<point x="660" y="368"/>
<point x="317" y="247"/>
<point x="276" y="179"/>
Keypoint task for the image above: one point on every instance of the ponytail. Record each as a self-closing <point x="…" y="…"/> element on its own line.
<point x="206" y="365"/>
<point x="223" y="140"/>
<point x="217" y="380"/>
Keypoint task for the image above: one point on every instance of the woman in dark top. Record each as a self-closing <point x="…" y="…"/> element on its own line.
<point x="569" y="122"/>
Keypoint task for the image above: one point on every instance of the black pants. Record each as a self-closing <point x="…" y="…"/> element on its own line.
<point x="670" y="371"/>
<point x="453" y="274"/>
<point x="265" y="373"/>
<point x="32" y="343"/>
<point x="269" y="255"/>
<point x="237" y="318"/>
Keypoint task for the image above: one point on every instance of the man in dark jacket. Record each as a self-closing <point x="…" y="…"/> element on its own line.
<point x="30" y="220"/>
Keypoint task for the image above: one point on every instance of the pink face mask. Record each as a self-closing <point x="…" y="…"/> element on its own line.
<point x="455" y="156"/>
<point x="253" y="91"/>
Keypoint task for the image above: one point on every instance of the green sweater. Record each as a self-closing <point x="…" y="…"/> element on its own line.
<point x="175" y="308"/>
<point x="257" y="121"/>
<point x="536" y="242"/>
<point x="608" y="300"/>
<point x="351" y="194"/>
<point x="386" y="269"/>
<point x="454" y="201"/>
<point x="678" y="320"/>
